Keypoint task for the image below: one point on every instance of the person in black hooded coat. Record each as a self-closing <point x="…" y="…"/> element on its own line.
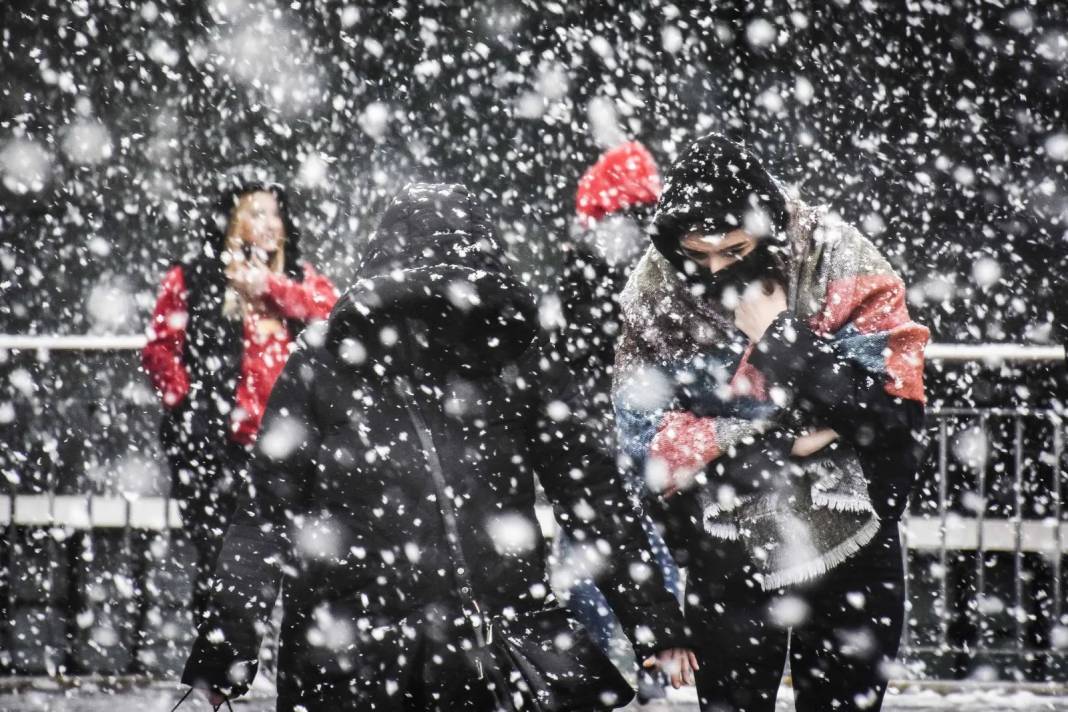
<point x="343" y="510"/>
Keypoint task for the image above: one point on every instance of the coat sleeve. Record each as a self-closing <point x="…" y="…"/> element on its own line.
<point x="834" y="388"/>
<point x="308" y="300"/>
<point x="162" y="355"/>
<point x="596" y="510"/>
<point x="256" y="548"/>
<point x="887" y="431"/>
<point x="703" y="421"/>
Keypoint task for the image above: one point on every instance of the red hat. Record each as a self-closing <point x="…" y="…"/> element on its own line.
<point x="623" y="177"/>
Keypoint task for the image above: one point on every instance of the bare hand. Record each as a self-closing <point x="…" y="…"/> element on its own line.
<point x="815" y="441"/>
<point x="679" y="664"/>
<point x="250" y="281"/>
<point x="758" y="308"/>
<point x="679" y="480"/>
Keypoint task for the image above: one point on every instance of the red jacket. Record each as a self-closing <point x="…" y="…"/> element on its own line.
<point x="263" y="356"/>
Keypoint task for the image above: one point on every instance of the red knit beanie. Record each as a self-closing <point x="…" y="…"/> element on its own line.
<point x="623" y="177"/>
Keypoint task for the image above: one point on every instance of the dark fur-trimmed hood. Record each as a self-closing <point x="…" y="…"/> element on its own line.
<point x="434" y="275"/>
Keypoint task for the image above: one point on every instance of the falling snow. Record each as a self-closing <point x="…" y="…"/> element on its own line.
<point x="937" y="128"/>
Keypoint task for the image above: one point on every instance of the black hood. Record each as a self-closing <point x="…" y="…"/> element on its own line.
<point x="434" y="289"/>
<point x="710" y="189"/>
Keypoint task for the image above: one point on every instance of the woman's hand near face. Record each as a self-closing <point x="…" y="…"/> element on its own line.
<point x="249" y="280"/>
<point x="813" y="442"/>
<point x="758" y="308"/>
<point x="255" y="237"/>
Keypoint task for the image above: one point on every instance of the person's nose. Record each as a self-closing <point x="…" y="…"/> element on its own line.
<point x="717" y="262"/>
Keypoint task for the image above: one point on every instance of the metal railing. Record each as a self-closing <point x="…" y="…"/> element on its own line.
<point x="976" y="513"/>
<point x="935" y="352"/>
<point x="1035" y="544"/>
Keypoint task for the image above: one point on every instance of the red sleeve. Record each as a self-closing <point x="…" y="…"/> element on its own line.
<point x="308" y="300"/>
<point x="162" y="355"/>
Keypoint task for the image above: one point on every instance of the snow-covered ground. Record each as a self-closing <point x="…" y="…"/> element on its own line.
<point x="161" y="698"/>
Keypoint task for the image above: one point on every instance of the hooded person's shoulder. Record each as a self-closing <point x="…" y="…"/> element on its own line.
<point x="648" y="279"/>
<point x="841" y="243"/>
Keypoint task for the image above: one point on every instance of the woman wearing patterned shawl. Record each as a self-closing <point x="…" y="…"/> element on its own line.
<point x="769" y="387"/>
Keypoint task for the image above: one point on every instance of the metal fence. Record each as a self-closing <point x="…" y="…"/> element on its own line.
<point x="985" y="539"/>
<point x="93" y="581"/>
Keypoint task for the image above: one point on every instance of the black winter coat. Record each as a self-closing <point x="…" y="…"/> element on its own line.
<point x="587" y="340"/>
<point x="590" y="284"/>
<point x="342" y="511"/>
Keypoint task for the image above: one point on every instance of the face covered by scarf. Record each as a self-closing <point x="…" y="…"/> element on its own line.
<point x="717" y="187"/>
<point x="765" y="263"/>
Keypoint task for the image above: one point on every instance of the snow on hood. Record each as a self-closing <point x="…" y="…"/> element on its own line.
<point x="435" y="265"/>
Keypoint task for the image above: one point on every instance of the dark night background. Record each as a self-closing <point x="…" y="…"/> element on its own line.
<point x="938" y="127"/>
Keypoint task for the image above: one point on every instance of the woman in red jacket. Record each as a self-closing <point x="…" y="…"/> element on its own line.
<point x="221" y="332"/>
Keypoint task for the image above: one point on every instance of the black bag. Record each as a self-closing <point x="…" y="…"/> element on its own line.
<point x="545" y="656"/>
<point x="556" y="665"/>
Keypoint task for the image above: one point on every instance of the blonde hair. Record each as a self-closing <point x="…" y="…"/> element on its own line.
<point x="233" y="304"/>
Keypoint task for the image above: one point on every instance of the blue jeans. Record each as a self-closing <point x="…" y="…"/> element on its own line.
<point x="590" y="605"/>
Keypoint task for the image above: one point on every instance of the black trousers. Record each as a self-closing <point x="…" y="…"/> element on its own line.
<point x="211" y="479"/>
<point x="840" y="631"/>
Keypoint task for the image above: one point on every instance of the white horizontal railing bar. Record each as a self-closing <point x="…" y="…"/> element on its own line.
<point x="995" y="352"/>
<point x="83" y="511"/>
<point x="935" y="352"/>
<point x="1050" y="414"/>
<point x="104" y="342"/>
<point x="80" y="511"/>
<point x="962" y="534"/>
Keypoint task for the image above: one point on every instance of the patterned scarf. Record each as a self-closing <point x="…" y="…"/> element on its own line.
<point x="818" y="513"/>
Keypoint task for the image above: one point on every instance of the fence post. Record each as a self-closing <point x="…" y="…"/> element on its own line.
<point x="1017" y="556"/>
<point x="943" y="515"/>
<point x="7" y="626"/>
<point x="980" y="543"/>
<point x="1058" y="551"/>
